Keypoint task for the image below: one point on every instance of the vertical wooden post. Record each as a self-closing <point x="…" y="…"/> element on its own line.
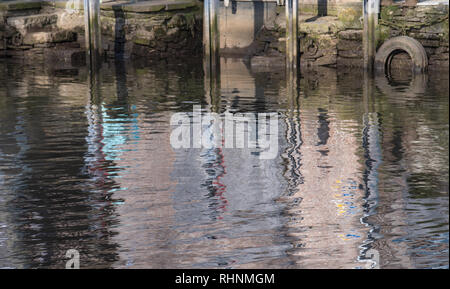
<point x="206" y="37"/>
<point x="93" y="33"/>
<point x="371" y="9"/>
<point x="211" y="47"/>
<point x="211" y="40"/>
<point x="214" y="32"/>
<point x="292" y="57"/>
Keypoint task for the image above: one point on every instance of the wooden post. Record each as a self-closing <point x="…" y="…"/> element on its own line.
<point x="211" y="47"/>
<point x="214" y="32"/>
<point x="206" y="36"/>
<point x="292" y="57"/>
<point x="93" y="33"/>
<point x="211" y="40"/>
<point x="371" y="9"/>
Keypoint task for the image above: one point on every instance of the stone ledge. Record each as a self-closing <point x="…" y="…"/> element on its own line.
<point x="126" y="6"/>
<point x="149" y="6"/>
<point x="26" y="23"/>
<point x="20" y="5"/>
<point x="321" y="25"/>
<point x="351" y="34"/>
<point x="49" y="37"/>
<point x="73" y="5"/>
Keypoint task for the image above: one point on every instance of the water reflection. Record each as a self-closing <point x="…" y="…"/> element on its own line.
<point x="360" y="179"/>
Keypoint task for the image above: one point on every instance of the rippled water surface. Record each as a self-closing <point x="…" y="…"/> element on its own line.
<point x="359" y="178"/>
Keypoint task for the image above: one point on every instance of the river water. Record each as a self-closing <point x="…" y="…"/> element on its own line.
<point x="358" y="177"/>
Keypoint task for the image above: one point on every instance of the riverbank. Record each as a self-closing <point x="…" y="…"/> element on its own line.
<point x="49" y="31"/>
<point x="54" y="31"/>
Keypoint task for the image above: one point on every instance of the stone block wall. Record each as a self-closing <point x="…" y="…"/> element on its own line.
<point x="426" y="23"/>
<point x="54" y="31"/>
<point x="153" y="29"/>
<point x="30" y="30"/>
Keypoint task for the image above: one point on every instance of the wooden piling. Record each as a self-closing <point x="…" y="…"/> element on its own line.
<point x="211" y="56"/>
<point x="371" y="9"/>
<point x="93" y="33"/>
<point x="211" y="40"/>
<point x="214" y="32"/>
<point x="292" y="56"/>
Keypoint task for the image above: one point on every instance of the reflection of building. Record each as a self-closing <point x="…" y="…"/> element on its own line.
<point x="104" y="179"/>
<point x="331" y="197"/>
<point x="326" y="191"/>
<point x="49" y="202"/>
<point x="411" y="218"/>
<point x="145" y="189"/>
<point x="227" y="196"/>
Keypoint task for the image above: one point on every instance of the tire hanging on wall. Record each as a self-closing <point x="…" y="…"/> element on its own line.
<point x="407" y="44"/>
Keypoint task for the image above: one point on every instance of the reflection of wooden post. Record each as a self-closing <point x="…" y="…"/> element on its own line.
<point x="92" y="32"/>
<point x="292" y="90"/>
<point x="212" y="88"/>
<point x="371" y="9"/>
<point x="292" y="60"/>
<point x="371" y="141"/>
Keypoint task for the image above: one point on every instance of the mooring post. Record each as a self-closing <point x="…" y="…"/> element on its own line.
<point x="206" y="36"/>
<point x="211" y="47"/>
<point x="93" y="33"/>
<point x="211" y="40"/>
<point x="292" y="59"/>
<point x="371" y="9"/>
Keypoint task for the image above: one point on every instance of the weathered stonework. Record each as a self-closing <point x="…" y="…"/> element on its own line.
<point x="330" y="32"/>
<point x="336" y="39"/>
<point x="160" y="30"/>
<point x="156" y="29"/>
<point x="426" y="23"/>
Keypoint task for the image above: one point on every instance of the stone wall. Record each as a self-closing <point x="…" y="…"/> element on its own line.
<point x="345" y="10"/>
<point x="426" y="23"/>
<point x="337" y="40"/>
<point x="54" y="31"/>
<point x="322" y="38"/>
<point x="29" y="30"/>
<point x="153" y="29"/>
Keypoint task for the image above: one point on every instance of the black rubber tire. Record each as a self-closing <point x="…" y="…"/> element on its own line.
<point x="407" y="44"/>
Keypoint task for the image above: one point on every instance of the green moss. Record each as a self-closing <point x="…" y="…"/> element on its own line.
<point x="388" y="12"/>
<point x="445" y="34"/>
<point x="305" y="8"/>
<point x="159" y="31"/>
<point x="190" y="22"/>
<point x="382" y="34"/>
<point x="407" y="19"/>
<point x="350" y="17"/>
<point x="19" y="5"/>
<point x="141" y="71"/>
<point x="142" y="41"/>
